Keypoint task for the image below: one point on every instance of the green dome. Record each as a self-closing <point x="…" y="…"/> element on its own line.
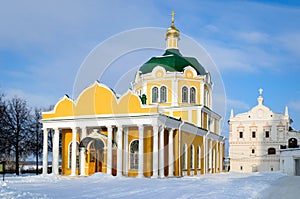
<point x="172" y="60"/>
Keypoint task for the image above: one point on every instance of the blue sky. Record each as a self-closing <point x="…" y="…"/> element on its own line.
<point x="254" y="44"/>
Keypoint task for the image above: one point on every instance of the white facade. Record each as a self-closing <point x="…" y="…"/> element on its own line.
<point x="290" y="161"/>
<point x="256" y="137"/>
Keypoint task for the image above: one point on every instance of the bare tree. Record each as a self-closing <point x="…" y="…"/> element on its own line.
<point x="17" y="122"/>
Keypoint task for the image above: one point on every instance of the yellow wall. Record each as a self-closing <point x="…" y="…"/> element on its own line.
<point x="196" y="140"/>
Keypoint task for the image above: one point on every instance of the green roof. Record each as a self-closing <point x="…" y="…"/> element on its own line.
<point x="172" y="60"/>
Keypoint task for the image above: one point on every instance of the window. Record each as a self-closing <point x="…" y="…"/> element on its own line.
<point x="253" y="151"/>
<point x="253" y="134"/>
<point x="293" y="143"/>
<point x="163" y="94"/>
<point x="184" y="94"/>
<point x="271" y="151"/>
<point x="134" y="154"/>
<point x="241" y="168"/>
<point x="192" y="95"/>
<point x="267" y="134"/>
<point x="241" y="134"/>
<point x="154" y="95"/>
<point x="184" y="157"/>
<point x="198" y="157"/>
<point x="192" y="157"/>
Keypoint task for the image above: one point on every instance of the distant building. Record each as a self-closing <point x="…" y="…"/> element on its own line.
<point x="257" y="136"/>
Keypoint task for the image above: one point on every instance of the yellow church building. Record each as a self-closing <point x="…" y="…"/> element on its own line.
<point x="163" y="126"/>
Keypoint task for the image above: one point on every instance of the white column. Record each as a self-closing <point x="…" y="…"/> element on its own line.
<point x="161" y="153"/>
<point x="210" y="151"/>
<point x="109" y="150"/>
<point x="74" y="149"/>
<point x="82" y="153"/>
<point x="221" y="157"/>
<point x="175" y="92"/>
<point x="155" y="151"/>
<point x="171" y="153"/>
<point x="82" y="161"/>
<point x="55" y="151"/>
<point x="83" y="133"/>
<point x="119" y="155"/>
<point x="141" y="151"/>
<point x="45" y="151"/>
<point x="202" y="93"/>
<point x="125" y="151"/>
<point x="205" y="155"/>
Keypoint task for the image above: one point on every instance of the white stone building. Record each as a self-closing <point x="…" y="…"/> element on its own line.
<point x="257" y="136"/>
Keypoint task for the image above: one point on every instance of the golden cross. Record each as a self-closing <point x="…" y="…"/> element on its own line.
<point x="173" y="14"/>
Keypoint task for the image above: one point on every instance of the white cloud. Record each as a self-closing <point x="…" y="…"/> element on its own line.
<point x="237" y="105"/>
<point x="253" y="37"/>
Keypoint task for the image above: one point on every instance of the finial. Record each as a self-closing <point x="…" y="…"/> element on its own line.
<point x="173" y="15"/>
<point x="286" y="111"/>
<point x="260" y="91"/>
<point x="260" y="99"/>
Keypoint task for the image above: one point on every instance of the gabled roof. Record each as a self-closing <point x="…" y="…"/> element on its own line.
<point x="172" y="60"/>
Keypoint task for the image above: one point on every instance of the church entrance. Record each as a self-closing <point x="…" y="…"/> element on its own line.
<point x="95" y="154"/>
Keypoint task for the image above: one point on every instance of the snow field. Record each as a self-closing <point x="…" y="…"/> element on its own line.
<point x="219" y="186"/>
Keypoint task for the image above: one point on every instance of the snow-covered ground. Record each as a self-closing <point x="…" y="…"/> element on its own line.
<point x="223" y="185"/>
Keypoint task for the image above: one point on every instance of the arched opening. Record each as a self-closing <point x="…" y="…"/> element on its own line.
<point x="192" y="95"/>
<point x="198" y="157"/>
<point x="154" y="95"/>
<point x="134" y="155"/>
<point x="163" y="94"/>
<point x="192" y="157"/>
<point x="184" y="94"/>
<point x="95" y="153"/>
<point x="293" y="143"/>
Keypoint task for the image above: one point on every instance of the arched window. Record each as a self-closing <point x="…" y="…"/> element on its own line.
<point x="184" y="157"/>
<point x="192" y="157"/>
<point x="184" y="94"/>
<point x="163" y="94"/>
<point x="271" y="151"/>
<point x="134" y="154"/>
<point x="293" y="143"/>
<point x="198" y="157"/>
<point x="154" y="95"/>
<point x="70" y="154"/>
<point x="192" y="95"/>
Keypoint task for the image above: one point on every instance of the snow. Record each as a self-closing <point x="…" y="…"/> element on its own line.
<point x="222" y="186"/>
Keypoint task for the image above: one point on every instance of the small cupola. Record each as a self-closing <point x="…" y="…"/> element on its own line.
<point x="172" y="35"/>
